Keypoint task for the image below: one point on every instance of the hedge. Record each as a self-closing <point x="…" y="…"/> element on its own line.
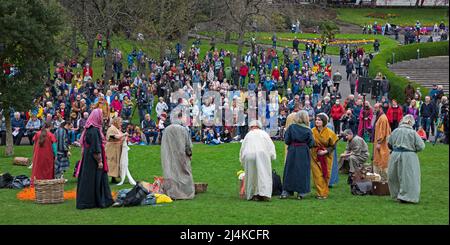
<point x="407" y="52"/>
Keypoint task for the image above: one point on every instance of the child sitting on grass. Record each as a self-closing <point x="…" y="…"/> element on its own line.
<point x="422" y="133"/>
<point x="136" y="138"/>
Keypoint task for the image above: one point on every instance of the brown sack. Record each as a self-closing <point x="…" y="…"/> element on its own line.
<point x="21" y="161"/>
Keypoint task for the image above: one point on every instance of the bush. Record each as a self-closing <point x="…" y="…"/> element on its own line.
<point x="407" y="52"/>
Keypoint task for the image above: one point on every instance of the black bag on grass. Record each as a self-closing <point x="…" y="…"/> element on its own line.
<point x="277" y="187"/>
<point x="6" y="180"/>
<point x="135" y="196"/>
<point x="361" y="188"/>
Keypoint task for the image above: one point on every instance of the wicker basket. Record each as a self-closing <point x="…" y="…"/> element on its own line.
<point x="200" y="187"/>
<point x="49" y="191"/>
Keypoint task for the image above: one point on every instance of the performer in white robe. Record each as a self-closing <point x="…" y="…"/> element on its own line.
<point x="176" y="153"/>
<point x="257" y="151"/>
<point x="124" y="171"/>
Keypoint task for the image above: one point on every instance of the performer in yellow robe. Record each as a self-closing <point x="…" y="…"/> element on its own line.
<point x="322" y="155"/>
<point x="381" y="149"/>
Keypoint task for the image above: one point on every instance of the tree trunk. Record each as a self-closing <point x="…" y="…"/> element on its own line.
<point x="90" y="50"/>
<point x="108" y="60"/>
<point x="417" y="3"/>
<point x="162" y="50"/>
<point x="240" y="46"/>
<point x="73" y="44"/>
<point x="184" y="41"/>
<point x="227" y="36"/>
<point x="9" y="149"/>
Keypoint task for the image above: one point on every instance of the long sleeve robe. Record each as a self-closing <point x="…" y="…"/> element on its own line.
<point x="176" y="149"/>
<point x="404" y="166"/>
<point x="257" y="152"/>
<point x="113" y="150"/>
<point x="382" y="131"/>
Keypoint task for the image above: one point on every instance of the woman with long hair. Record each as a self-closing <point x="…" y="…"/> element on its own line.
<point x="297" y="170"/>
<point x="44" y="153"/>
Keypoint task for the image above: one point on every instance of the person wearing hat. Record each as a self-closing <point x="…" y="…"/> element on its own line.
<point x="256" y="153"/>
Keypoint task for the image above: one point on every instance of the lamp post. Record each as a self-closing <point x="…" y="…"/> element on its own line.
<point x="393" y="58"/>
<point x="418" y="53"/>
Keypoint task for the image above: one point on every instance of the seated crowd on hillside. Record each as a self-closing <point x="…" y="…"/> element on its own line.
<point x="143" y="94"/>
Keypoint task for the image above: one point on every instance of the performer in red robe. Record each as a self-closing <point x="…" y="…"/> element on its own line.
<point x="43" y="154"/>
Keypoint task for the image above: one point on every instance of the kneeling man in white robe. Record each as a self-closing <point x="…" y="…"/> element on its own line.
<point x="257" y="152"/>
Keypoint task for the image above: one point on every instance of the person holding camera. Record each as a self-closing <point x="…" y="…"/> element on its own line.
<point x="142" y="102"/>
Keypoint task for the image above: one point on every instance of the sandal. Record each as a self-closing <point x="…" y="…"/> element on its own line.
<point x="321" y="198"/>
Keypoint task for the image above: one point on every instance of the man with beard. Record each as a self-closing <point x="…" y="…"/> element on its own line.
<point x="381" y="149"/>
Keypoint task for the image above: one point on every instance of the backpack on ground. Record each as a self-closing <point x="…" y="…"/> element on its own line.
<point x="277" y="187"/>
<point x="135" y="196"/>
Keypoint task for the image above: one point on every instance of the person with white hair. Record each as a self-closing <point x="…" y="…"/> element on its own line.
<point x="176" y="155"/>
<point x="404" y="165"/>
<point x="257" y="152"/>
<point x="297" y="170"/>
<point x="18" y="128"/>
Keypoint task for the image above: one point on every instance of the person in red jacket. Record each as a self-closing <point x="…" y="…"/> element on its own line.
<point x="394" y="114"/>
<point x="275" y="73"/>
<point x="87" y="71"/>
<point x="243" y="72"/>
<point x="337" y="111"/>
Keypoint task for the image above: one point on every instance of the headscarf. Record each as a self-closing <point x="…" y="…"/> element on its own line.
<point x="407" y="121"/>
<point x="255" y="123"/>
<point x="95" y="120"/>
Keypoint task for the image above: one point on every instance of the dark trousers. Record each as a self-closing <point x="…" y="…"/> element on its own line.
<point x="326" y="87"/>
<point x="18" y="138"/>
<point x="153" y="134"/>
<point x="3" y="138"/>
<point x="352" y="89"/>
<point x="142" y="112"/>
<point x="30" y="136"/>
<point x="337" y="126"/>
<point x="337" y="86"/>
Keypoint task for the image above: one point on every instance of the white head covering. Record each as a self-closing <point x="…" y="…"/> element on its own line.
<point x="255" y="123"/>
<point x="408" y="120"/>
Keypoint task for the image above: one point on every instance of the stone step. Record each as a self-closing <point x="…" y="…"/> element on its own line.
<point x="425" y="71"/>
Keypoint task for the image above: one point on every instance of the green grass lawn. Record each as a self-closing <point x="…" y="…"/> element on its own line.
<point x="406" y="16"/>
<point x="217" y="165"/>
<point x="266" y="38"/>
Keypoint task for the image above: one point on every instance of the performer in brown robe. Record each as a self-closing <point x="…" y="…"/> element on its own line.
<point x="381" y="149"/>
<point x="113" y="148"/>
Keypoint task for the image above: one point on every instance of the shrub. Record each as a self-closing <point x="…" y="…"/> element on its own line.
<point x="407" y="52"/>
